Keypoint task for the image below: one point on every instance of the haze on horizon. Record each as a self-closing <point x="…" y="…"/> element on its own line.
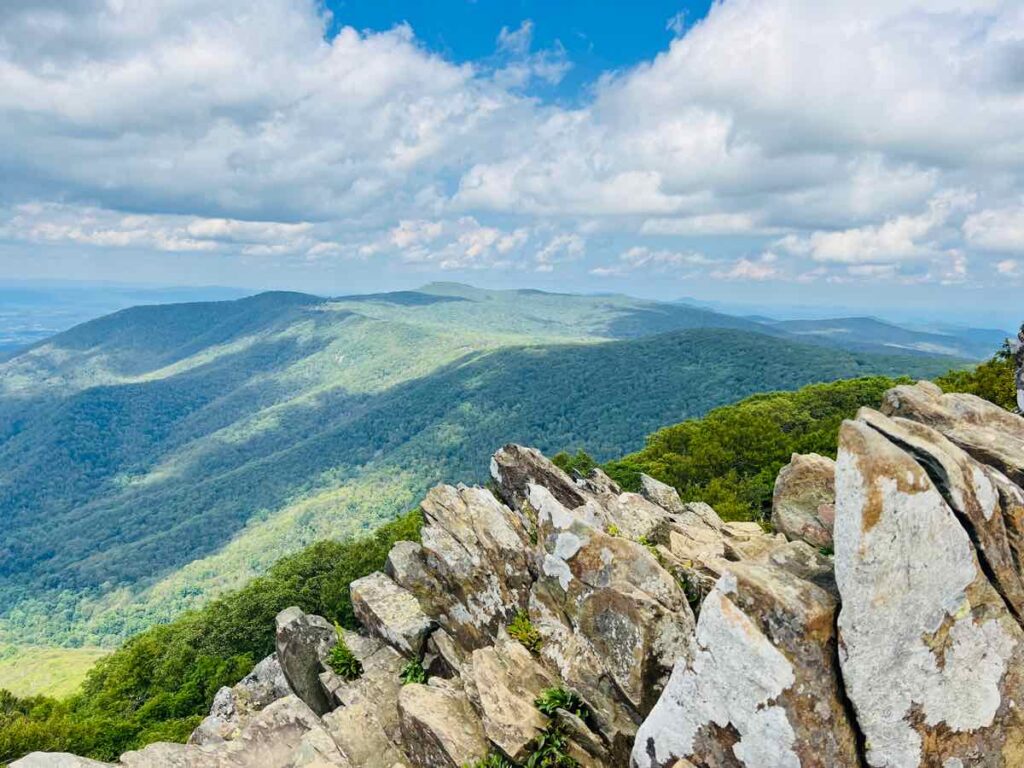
<point x="757" y="152"/>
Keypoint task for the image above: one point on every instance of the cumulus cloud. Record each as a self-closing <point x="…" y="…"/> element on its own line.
<point x="239" y="126"/>
<point x="762" y="268"/>
<point x="996" y="230"/>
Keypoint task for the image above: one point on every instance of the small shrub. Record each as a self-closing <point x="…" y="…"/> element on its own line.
<point x="413" y="672"/>
<point x="582" y="464"/>
<point x="493" y="760"/>
<point x="522" y="629"/>
<point x="551" y="750"/>
<point x="342" y="660"/>
<point x="553" y="699"/>
<point x="612" y="530"/>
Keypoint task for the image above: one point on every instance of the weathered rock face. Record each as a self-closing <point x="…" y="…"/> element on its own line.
<point x="761" y="688"/>
<point x="439" y="727"/>
<point x="390" y="612"/>
<point x="681" y="640"/>
<point x="803" y="504"/>
<point x="931" y="655"/>
<point x="990" y="434"/>
<point x="303" y="642"/>
<point x="1019" y="359"/>
<point x="232" y="707"/>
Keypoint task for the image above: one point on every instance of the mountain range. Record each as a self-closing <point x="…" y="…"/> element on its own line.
<point x="162" y="454"/>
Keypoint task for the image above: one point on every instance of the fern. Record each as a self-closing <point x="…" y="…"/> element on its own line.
<point x="522" y="629"/>
<point x="413" y="672"/>
<point x="342" y="660"/>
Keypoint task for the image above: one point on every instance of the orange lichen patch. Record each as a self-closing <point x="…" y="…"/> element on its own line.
<point x="876" y="457"/>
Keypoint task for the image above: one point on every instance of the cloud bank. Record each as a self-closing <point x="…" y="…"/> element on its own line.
<point x="774" y="140"/>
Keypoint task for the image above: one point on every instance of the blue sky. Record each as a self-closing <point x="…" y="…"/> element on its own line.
<point x="864" y="156"/>
<point x="597" y="36"/>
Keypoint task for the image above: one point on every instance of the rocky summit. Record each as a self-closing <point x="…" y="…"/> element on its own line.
<point x="550" y="620"/>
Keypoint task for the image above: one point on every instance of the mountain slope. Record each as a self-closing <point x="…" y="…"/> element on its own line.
<point x="158" y="455"/>
<point x="870" y="334"/>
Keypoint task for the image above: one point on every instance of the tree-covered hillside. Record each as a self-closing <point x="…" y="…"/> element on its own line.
<point x="163" y="454"/>
<point x="159" y="684"/>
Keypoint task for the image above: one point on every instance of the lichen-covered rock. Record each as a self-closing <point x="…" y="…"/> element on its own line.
<point x="303" y="642"/>
<point x="390" y="612"/>
<point x="688" y="513"/>
<point x="515" y="468"/>
<point x="931" y="657"/>
<point x="365" y="725"/>
<point x="439" y="727"/>
<point x="507" y="680"/>
<point x="618" y="599"/>
<point x="987" y="504"/>
<point x="57" y="760"/>
<point x="991" y="434"/>
<point x="232" y="707"/>
<point x="286" y="734"/>
<point x="475" y="549"/>
<point x="803" y="503"/>
<point x="761" y="689"/>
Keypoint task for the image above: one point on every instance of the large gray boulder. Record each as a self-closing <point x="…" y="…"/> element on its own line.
<point x="286" y="734"/>
<point x="932" y="659"/>
<point x="232" y="707"/>
<point x="390" y="612"/>
<point x="761" y="689"/>
<point x="303" y="643"/>
<point x="57" y="760"/>
<point x="991" y="434"/>
<point x="439" y="727"/>
<point x="803" y="502"/>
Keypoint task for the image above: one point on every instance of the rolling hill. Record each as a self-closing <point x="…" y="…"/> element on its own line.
<point x="163" y="454"/>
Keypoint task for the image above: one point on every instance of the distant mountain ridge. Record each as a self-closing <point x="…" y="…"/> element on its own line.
<point x="160" y="454"/>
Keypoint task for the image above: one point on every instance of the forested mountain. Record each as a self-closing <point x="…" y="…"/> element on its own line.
<point x="873" y="335"/>
<point x="161" y="454"/>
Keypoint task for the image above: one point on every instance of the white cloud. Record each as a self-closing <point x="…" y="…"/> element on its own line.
<point x="996" y="230"/>
<point x="897" y="239"/>
<point x="883" y="134"/>
<point x="560" y="248"/>
<point x="1009" y="267"/>
<point x="762" y="268"/>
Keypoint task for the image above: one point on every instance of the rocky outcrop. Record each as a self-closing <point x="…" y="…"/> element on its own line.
<point x="618" y="628"/>
<point x="803" y="504"/>
<point x="303" y="642"/>
<point x="233" y="707"/>
<point x="1018" y="355"/>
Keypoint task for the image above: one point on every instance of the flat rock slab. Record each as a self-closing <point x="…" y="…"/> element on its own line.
<point x="439" y="727"/>
<point x="390" y="612"/>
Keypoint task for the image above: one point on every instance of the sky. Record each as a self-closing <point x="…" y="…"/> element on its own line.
<point x="861" y="155"/>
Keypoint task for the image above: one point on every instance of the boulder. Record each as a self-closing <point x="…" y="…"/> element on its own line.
<point x="515" y="468"/>
<point x="986" y="503"/>
<point x="365" y="724"/>
<point x="390" y="612"/>
<point x="667" y="497"/>
<point x="303" y="642"/>
<point x="991" y="434"/>
<point x="439" y="727"/>
<point x="931" y="656"/>
<point x="286" y="734"/>
<point x="232" y="707"/>
<point x="57" y="760"/>
<point x="761" y="689"/>
<point x="617" y="598"/>
<point x="507" y="680"/>
<point x="803" y="503"/>
<point x="475" y="560"/>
